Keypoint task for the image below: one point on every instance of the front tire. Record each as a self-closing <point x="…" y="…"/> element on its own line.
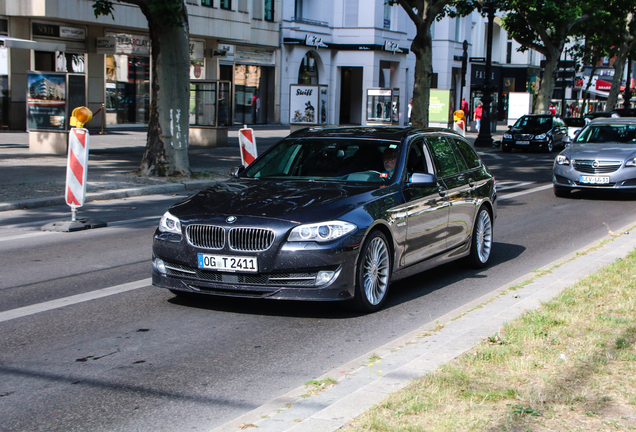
<point x="482" y="239"/>
<point x="373" y="274"/>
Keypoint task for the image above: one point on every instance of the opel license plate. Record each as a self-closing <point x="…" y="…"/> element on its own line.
<point x="594" y="179"/>
<point x="228" y="263"/>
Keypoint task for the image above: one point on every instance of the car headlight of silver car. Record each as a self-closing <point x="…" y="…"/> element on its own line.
<point x="321" y="232"/>
<point x="630" y="162"/>
<point x="562" y="160"/>
<point x="507" y="136"/>
<point x="541" y="137"/>
<point x="170" y="223"/>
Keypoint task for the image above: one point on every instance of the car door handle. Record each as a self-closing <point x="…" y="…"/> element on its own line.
<point x="442" y="192"/>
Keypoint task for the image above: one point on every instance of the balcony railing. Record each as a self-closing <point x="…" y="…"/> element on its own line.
<point x="310" y="22"/>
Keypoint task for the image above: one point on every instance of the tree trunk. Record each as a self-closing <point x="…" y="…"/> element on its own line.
<point x="619" y="67"/>
<point x="548" y="81"/>
<point x="167" y="146"/>
<point x="422" y="47"/>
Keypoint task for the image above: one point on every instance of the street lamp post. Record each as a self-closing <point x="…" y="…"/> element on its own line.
<point x="484" y="139"/>
<point x="628" y="85"/>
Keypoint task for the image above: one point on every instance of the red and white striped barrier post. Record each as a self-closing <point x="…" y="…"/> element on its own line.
<point x="76" y="169"/>
<point x="247" y="143"/>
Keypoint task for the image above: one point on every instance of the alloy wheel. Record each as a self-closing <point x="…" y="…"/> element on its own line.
<point x="375" y="275"/>
<point x="483" y="236"/>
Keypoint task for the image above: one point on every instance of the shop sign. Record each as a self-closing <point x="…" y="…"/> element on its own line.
<point x="303" y="100"/>
<point x="131" y="44"/>
<point x="46" y="101"/>
<point x="72" y="33"/>
<point x="106" y="45"/>
<point x="48" y="30"/>
<point x="314" y="41"/>
<point x="255" y="56"/>
<point x="392" y="47"/>
<point x="439" y="106"/>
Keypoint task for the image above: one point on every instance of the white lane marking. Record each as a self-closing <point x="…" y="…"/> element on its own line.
<point x="511" y="185"/>
<point x="71" y="300"/>
<point x="525" y="192"/>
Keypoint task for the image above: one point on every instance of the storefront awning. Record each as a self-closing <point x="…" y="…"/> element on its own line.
<point x="9" y="42"/>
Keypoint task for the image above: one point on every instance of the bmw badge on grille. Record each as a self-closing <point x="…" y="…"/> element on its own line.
<point x="231" y="219"/>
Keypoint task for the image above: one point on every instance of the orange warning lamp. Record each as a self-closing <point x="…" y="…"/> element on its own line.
<point x="458" y="115"/>
<point x="80" y="116"/>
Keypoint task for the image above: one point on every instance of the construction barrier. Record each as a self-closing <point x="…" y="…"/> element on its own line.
<point x="248" y="145"/>
<point x="460" y="123"/>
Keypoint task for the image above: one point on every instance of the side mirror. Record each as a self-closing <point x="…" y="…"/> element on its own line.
<point x="422" y="180"/>
<point x="236" y="171"/>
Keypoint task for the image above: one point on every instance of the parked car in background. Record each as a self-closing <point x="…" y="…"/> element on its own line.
<point x="594" y="115"/>
<point x="331" y="214"/>
<point x="603" y="156"/>
<point x="536" y="132"/>
<point x="574" y="124"/>
<point x="623" y="112"/>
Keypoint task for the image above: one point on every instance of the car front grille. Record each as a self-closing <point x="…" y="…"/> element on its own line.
<point x="590" y="166"/>
<point x="206" y="236"/>
<point x="239" y="239"/>
<point x="523" y="136"/>
<point x="251" y="239"/>
<point x="302" y="279"/>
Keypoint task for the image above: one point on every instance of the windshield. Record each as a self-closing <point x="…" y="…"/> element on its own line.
<point x="534" y="122"/>
<point x="603" y="133"/>
<point x="336" y="159"/>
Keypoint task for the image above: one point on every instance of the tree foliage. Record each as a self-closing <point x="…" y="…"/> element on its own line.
<point x="544" y="26"/>
<point x="423" y="13"/>
<point x="168" y="128"/>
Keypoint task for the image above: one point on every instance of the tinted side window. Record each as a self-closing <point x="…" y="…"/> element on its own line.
<point x="469" y="155"/>
<point x="458" y="157"/>
<point x="443" y="156"/>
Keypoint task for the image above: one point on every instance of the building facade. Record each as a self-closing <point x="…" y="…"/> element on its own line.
<point x="94" y="61"/>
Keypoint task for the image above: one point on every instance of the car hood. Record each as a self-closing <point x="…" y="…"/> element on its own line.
<point x="606" y="151"/>
<point x="298" y="201"/>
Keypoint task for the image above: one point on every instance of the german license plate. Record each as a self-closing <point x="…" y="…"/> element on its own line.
<point x="228" y="263"/>
<point x="594" y="180"/>
<point x="523" y="142"/>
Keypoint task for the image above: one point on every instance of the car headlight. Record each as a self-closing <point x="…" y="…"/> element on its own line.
<point x="541" y="137"/>
<point x="630" y="163"/>
<point x="170" y="223"/>
<point x="562" y="160"/>
<point x="321" y="232"/>
<point x="507" y="136"/>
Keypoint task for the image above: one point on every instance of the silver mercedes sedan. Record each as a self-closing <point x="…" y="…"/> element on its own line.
<point x="603" y="156"/>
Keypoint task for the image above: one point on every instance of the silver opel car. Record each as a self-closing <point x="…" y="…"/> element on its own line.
<point x="603" y="156"/>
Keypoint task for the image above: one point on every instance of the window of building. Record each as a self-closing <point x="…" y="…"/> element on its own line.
<point x="269" y="10"/>
<point x="351" y="13"/>
<point x="207" y="3"/>
<point x="298" y="8"/>
<point x="226" y="4"/>
<point x="242" y="6"/>
<point x="458" y="29"/>
<point x="257" y="9"/>
<point x="308" y="71"/>
<point x="387" y="16"/>
<point x="509" y="53"/>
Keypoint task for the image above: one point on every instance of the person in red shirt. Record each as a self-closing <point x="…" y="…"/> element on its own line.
<point x="552" y="109"/>
<point x="478" y="112"/>
<point x="465" y="107"/>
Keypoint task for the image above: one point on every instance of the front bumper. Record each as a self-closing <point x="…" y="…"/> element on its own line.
<point x="566" y="177"/>
<point x="532" y="144"/>
<point x="288" y="273"/>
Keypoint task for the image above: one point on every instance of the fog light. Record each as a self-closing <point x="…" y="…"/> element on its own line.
<point x="324" y="277"/>
<point x="160" y="266"/>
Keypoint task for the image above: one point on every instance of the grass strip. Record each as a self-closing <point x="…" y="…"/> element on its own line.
<point x="568" y="366"/>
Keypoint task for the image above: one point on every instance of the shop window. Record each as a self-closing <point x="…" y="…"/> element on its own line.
<point x="44" y="61"/>
<point x="127" y="89"/>
<point x="269" y="10"/>
<point x="226" y="4"/>
<point x="308" y="71"/>
<point x="203" y="104"/>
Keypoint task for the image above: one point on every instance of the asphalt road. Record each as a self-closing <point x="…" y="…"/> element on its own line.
<point x="142" y="360"/>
